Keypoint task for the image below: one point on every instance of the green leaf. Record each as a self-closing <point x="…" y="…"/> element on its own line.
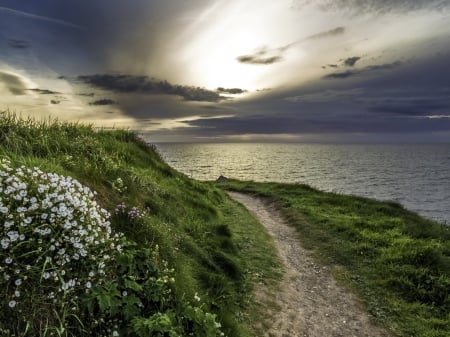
<point x="108" y="298"/>
<point x="130" y="284"/>
<point x="131" y="306"/>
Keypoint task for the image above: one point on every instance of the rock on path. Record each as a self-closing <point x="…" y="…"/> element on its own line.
<point x="308" y="303"/>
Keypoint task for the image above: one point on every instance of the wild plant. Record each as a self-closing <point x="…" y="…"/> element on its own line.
<point x="63" y="272"/>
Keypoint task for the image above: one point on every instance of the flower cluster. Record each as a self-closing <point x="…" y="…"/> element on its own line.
<point x="132" y="213"/>
<point x="52" y="234"/>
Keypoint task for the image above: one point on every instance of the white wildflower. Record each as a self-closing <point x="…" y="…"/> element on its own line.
<point x="13" y="235"/>
<point x="5" y="243"/>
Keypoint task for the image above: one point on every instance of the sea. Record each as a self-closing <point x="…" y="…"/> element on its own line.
<point x="417" y="176"/>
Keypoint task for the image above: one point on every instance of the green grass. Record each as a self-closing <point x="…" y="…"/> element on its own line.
<point x="216" y="248"/>
<point x="397" y="261"/>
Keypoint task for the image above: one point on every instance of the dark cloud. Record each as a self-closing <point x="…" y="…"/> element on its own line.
<point x="404" y="99"/>
<point x="348" y="62"/>
<point x="382" y="66"/>
<point x="343" y="74"/>
<point x="104" y="101"/>
<point x="97" y="36"/>
<point x="259" y="58"/>
<point x="351" y="61"/>
<point x="375" y="6"/>
<point x="266" y="56"/>
<point x="13" y="83"/>
<point x="212" y="107"/>
<point x="412" y="106"/>
<point x="363" y="71"/>
<point x="232" y="91"/>
<point x="18" y="44"/>
<point x="329" y="33"/>
<point x="307" y="124"/>
<point x="44" y="91"/>
<point x="149" y="86"/>
<point x="328" y="95"/>
<point x="124" y="35"/>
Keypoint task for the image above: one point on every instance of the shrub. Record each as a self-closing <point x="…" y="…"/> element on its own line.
<point x="64" y="273"/>
<point x="56" y="244"/>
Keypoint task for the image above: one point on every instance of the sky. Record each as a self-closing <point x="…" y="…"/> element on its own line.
<point x="331" y="71"/>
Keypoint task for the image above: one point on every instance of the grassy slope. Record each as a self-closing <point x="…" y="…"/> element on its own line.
<point x="397" y="261"/>
<point x="216" y="248"/>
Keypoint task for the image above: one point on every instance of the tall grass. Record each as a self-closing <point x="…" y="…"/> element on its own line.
<point x="194" y="227"/>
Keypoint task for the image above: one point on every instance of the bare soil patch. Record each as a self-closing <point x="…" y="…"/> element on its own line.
<point x="308" y="302"/>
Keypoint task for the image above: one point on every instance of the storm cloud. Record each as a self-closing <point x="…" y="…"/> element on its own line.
<point x="295" y="124"/>
<point x="104" y="101"/>
<point x="174" y="65"/>
<point x="149" y="86"/>
<point x="232" y="91"/>
<point x="363" y="71"/>
<point x="264" y="56"/>
<point x="45" y="91"/>
<point x="412" y="107"/>
<point x="351" y="61"/>
<point x="374" y="6"/>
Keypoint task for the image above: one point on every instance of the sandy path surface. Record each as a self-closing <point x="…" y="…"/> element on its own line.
<point x="308" y="302"/>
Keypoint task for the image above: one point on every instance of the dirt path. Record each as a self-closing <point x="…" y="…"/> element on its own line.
<point x="309" y="302"/>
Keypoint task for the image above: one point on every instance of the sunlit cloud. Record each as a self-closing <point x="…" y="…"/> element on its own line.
<point x="12" y="83"/>
<point x="198" y="69"/>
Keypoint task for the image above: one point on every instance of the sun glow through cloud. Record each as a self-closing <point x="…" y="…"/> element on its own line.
<point x="225" y="31"/>
<point x="230" y="69"/>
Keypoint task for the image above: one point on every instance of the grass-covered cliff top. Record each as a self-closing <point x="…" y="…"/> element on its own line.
<point x="185" y="264"/>
<point x="100" y="237"/>
<point x="397" y="262"/>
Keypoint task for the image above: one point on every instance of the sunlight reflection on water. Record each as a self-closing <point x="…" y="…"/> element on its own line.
<point x="417" y="176"/>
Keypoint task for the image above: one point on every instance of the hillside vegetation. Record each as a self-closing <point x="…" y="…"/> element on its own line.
<point x="101" y="238"/>
<point x="397" y="261"/>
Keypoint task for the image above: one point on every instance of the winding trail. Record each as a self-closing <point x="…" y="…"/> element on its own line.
<point x="308" y="302"/>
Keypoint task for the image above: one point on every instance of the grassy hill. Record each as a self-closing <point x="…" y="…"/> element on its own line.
<point x="100" y="237"/>
<point x="188" y="257"/>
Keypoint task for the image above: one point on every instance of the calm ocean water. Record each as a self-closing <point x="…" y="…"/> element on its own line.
<point x="417" y="176"/>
